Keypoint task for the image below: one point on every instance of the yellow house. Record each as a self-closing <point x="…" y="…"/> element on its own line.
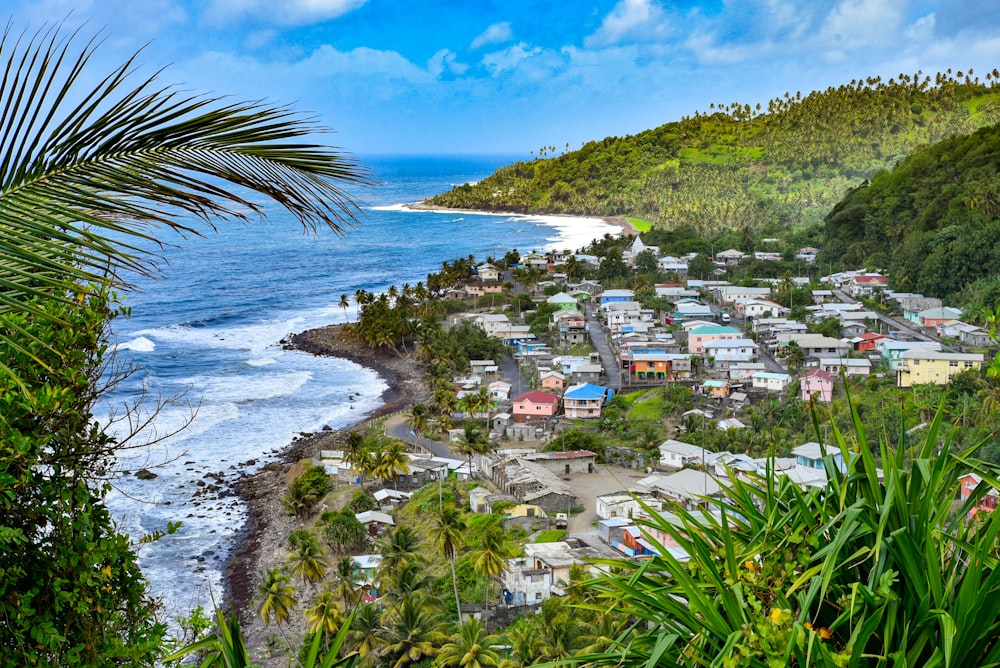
<point x="919" y="366"/>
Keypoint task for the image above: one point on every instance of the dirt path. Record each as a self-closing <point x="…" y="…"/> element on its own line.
<point x="588" y="487"/>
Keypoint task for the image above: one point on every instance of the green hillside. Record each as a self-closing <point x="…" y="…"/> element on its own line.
<point x="743" y="167"/>
<point x="933" y="222"/>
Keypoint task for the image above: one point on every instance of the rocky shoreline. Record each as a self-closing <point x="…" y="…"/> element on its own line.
<point x="261" y="544"/>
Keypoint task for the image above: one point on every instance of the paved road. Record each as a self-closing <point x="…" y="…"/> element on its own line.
<point x="512" y="374"/>
<point x="897" y="324"/>
<point x="396" y="427"/>
<point x="600" y="342"/>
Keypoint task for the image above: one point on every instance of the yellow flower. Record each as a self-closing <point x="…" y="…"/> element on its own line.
<point x="825" y="634"/>
<point x="750" y="566"/>
<point x="107" y="571"/>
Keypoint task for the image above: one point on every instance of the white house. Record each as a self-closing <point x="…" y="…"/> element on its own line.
<point x="772" y="382"/>
<point x="678" y="454"/>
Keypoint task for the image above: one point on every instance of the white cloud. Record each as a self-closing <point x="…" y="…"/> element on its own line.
<point x="283" y="12"/>
<point x="630" y="20"/>
<point x="509" y="58"/>
<point x="445" y="60"/>
<point x="498" y="33"/>
<point x="854" y="24"/>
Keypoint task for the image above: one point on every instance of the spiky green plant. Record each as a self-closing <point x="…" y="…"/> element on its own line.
<point x="879" y="567"/>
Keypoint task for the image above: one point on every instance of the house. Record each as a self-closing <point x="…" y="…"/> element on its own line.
<point x="534" y="483"/>
<point x="626" y="505"/>
<point x="745" y="370"/>
<point x="562" y="301"/>
<point x="686" y="309"/>
<point x="811" y="454"/>
<point x="935" y="316"/>
<point x="483" y="288"/>
<point x="867" y="341"/>
<point x="751" y="309"/>
<point x="730" y="293"/>
<point x="716" y="388"/>
<point x="484" y="368"/>
<point x="730" y="257"/>
<point x="687" y="487"/>
<point x="499" y="390"/>
<point x="535" y="405"/>
<point x="807" y="254"/>
<point x="772" y="382"/>
<point x="616" y="296"/>
<point x="974" y="336"/>
<point x="672" y="265"/>
<point x="586" y="373"/>
<point x="891" y="350"/>
<point x="699" y="336"/>
<point x="818" y="383"/>
<point x="583" y="401"/>
<point x="967" y="487"/>
<point x="487" y="272"/>
<point x="492" y="323"/>
<point x="919" y="365"/>
<point x="822" y="296"/>
<point x="912" y="305"/>
<point x="864" y="285"/>
<point x="678" y="454"/>
<point x="813" y="345"/>
<point x="563" y="462"/>
<point x="729" y="351"/>
<point x="375" y="521"/>
<point x="646" y="365"/>
<point x="860" y="367"/>
<point x="552" y="380"/>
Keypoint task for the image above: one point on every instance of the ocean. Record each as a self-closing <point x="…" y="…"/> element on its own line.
<point x="203" y="341"/>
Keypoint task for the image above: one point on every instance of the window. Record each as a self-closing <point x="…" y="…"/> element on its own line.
<point x="953" y="363"/>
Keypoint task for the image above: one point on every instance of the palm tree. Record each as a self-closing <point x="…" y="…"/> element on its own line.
<point x="413" y="631"/>
<point x="451" y="536"/>
<point x="490" y="562"/>
<point x="391" y="460"/>
<point x="366" y="636"/>
<point x="308" y="561"/>
<point x="346" y="589"/>
<point x="471" y="648"/>
<point x="92" y="164"/>
<point x="276" y="596"/>
<point x="358" y="455"/>
<point x="418" y="417"/>
<point x="471" y="442"/>
<point x="344" y="303"/>
<point x="399" y="546"/>
<point x="324" y="615"/>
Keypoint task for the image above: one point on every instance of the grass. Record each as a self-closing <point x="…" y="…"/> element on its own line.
<point x="550" y="536"/>
<point x="640" y="224"/>
<point x="646" y="405"/>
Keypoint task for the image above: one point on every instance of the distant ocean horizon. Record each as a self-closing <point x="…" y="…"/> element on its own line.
<point x="206" y="335"/>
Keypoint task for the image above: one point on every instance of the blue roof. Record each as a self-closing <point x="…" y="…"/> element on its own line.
<point x="585" y="391"/>
<point x="714" y="329"/>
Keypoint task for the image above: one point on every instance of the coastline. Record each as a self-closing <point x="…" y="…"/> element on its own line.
<point x="260" y="544"/>
<point x="617" y="221"/>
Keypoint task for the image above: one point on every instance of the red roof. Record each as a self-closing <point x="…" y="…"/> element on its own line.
<point x="820" y="373"/>
<point x="871" y="278"/>
<point x="537" y="397"/>
<point x="871" y="336"/>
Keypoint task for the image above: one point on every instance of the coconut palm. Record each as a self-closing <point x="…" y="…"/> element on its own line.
<point x="450" y="537"/>
<point x="391" y="461"/>
<point x="472" y="441"/>
<point x="489" y="563"/>
<point x="93" y="165"/>
<point x="308" y="560"/>
<point x="413" y="631"/>
<point x="276" y="596"/>
<point x="418" y="418"/>
<point x="345" y="304"/>
<point x="399" y="546"/>
<point x="324" y="615"/>
<point x="471" y="648"/>
<point x="358" y="455"/>
<point x="346" y="588"/>
<point x="366" y="636"/>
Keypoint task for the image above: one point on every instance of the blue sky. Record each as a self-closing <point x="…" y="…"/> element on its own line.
<point x="494" y="76"/>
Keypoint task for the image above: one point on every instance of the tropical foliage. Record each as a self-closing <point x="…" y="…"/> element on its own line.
<point x="880" y="567"/>
<point x="737" y="166"/>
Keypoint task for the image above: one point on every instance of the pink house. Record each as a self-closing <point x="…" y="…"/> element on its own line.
<point x="968" y="483"/>
<point x="699" y="336"/>
<point x="535" y="405"/>
<point x="817" y="382"/>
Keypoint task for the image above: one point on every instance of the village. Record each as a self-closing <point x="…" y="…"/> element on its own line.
<point x="728" y="345"/>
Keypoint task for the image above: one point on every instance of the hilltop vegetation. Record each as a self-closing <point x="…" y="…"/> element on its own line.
<point x="743" y="167"/>
<point x="933" y="222"/>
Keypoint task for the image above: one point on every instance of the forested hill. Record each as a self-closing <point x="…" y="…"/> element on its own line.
<point x="933" y="222"/>
<point x="743" y="167"/>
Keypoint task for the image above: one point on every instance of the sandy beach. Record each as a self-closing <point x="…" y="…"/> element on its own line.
<point x="261" y="545"/>
<point x="575" y="232"/>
